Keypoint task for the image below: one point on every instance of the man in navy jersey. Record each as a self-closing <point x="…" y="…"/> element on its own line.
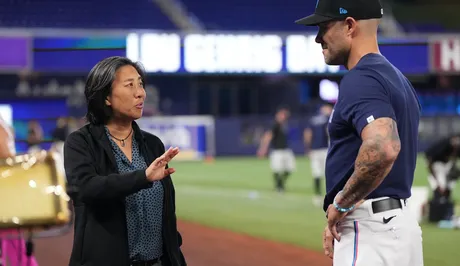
<point x="373" y="134"/>
<point x="316" y="141"/>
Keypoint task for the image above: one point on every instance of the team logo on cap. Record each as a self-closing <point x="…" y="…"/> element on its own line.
<point x="343" y="11"/>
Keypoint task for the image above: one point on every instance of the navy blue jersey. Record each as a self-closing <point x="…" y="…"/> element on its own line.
<point x="373" y="89"/>
<point x="318" y="127"/>
<point x="279" y="136"/>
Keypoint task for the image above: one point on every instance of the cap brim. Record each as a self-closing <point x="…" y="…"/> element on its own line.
<point x="313" y="20"/>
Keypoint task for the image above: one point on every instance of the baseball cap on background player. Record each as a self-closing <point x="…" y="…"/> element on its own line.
<point x="330" y="10"/>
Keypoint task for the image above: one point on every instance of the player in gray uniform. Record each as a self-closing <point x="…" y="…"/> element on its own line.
<point x="316" y="141"/>
<point x="282" y="159"/>
<point x="373" y="133"/>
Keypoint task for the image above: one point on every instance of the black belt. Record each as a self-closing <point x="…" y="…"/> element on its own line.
<point x="145" y="262"/>
<point x="386" y="205"/>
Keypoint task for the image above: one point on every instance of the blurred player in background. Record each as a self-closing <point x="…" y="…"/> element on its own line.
<point x="282" y="160"/>
<point x="441" y="157"/>
<point x="59" y="135"/>
<point x="316" y="142"/>
<point x="61" y="131"/>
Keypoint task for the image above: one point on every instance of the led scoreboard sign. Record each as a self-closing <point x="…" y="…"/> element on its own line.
<point x="445" y="55"/>
<point x="227" y="53"/>
<point x="157" y="52"/>
<point x="233" y="53"/>
<point x="208" y="53"/>
<point x="304" y="55"/>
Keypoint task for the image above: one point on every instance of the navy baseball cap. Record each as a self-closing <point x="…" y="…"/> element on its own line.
<point x="329" y="10"/>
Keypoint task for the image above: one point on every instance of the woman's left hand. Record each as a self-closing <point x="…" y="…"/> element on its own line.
<point x="157" y="169"/>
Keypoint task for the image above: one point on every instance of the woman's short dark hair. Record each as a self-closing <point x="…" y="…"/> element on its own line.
<point x="99" y="85"/>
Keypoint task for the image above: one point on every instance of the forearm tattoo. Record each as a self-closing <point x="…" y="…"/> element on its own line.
<point x="379" y="150"/>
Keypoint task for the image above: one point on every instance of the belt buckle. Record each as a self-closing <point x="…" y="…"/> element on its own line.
<point x="385" y="205"/>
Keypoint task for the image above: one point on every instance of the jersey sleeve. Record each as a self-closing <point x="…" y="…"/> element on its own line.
<point x="365" y="100"/>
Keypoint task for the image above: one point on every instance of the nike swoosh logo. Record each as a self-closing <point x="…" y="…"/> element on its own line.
<point x="387" y="220"/>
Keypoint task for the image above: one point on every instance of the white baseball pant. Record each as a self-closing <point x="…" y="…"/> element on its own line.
<point x="318" y="162"/>
<point x="367" y="240"/>
<point x="282" y="161"/>
<point x="441" y="170"/>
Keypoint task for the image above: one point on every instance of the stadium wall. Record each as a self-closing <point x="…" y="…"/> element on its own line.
<point x="204" y="136"/>
<point x="241" y="136"/>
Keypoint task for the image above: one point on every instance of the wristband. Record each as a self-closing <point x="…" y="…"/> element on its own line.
<point x="340" y="209"/>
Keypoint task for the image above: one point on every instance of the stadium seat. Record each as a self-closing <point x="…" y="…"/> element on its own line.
<point x="234" y="15"/>
<point x="83" y="14"/>
<point x="254" y="15"/>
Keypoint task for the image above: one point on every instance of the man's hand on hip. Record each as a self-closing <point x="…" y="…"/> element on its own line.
<point x="333" y="218"/>
<point x="328" y="243"/>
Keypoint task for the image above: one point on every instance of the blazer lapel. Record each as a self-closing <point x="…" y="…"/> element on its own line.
<point x="98" y="132"/>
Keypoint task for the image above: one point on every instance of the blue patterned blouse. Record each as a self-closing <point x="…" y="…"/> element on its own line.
<point x="144" y="209"/>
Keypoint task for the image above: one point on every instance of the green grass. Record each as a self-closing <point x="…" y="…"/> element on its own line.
<point x="237" y="194"/>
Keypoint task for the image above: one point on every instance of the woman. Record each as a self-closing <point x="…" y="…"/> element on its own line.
<point x="124" y="199"/>
<point x="12" y="250"/>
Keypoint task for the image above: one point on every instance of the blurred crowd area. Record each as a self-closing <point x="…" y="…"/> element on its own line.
<point x="246" y="103"/>
<point x="412" y="16"/>
<point x="38" y="138"/>
<point x="49" y="46"/>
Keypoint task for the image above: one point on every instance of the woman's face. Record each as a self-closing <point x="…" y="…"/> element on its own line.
<point x="128" y="94"/>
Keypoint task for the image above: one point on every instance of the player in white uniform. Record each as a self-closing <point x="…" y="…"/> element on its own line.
<point x="316" y="142"/>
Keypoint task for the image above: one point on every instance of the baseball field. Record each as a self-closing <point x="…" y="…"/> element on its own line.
<point x="228" y="206"/>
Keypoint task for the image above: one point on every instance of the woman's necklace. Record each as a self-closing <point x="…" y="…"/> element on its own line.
<point x="122" y="141"/>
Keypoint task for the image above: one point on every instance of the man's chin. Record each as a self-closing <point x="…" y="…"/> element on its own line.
<point x="332" y="62"/>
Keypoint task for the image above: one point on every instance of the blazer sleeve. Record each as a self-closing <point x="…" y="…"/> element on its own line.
<point x="162" y="150"/>
<point x="81" y="172"/>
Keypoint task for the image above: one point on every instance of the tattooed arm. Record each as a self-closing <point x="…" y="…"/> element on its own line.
<point x="379" y="150"/>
